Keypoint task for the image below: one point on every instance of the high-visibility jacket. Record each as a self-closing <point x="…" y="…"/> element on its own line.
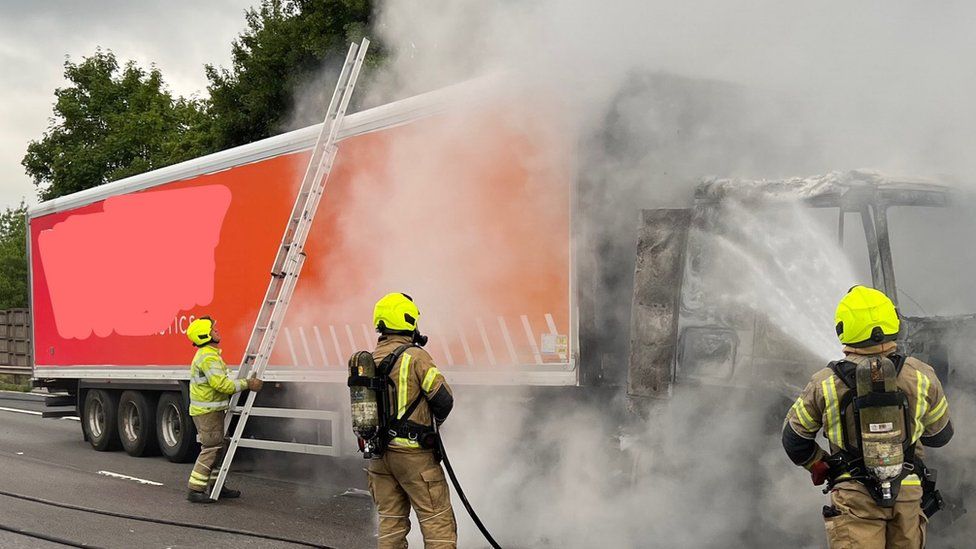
<point x="210" y="386"/>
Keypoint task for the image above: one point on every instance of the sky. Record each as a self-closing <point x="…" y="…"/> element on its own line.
<point x="179" y="36"/>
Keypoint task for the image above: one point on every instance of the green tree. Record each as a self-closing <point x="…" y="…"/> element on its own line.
<point x="13" y="258"/>
<point x="112" y="122"/>
<point x="282" y="54"/>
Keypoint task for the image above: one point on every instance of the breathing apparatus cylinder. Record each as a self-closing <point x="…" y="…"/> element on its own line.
<point x="882" y="423"/>
<point x="365" y="407"/>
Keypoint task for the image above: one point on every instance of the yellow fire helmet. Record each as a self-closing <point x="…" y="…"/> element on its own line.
<point x="395" y="312"/>
<point x="198" y="332"/>
<point x="866" y="317"/>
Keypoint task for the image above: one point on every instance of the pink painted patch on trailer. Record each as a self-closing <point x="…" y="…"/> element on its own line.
<point x="156" y="258"/>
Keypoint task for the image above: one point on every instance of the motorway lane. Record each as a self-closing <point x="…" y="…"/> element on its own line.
<point x="48" y="459"/>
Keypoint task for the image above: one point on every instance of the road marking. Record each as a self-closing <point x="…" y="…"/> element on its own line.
<point x="127" y="477"/>
<point x="72" y="418"/>
<point x="19" y="411"/>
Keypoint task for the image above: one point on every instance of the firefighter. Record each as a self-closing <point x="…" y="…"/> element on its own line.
<point x="210" y="390"/>
<point x="876" y="408"/>
<point x="409" y="473"/>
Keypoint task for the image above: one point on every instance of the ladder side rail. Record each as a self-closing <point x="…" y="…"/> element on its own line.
<point x="245" y="413"/>
<point x="324" y="134"/>
<point x="322" y="138"/>
<point x="311" y="177"/>
<point x="262" y="325"/>
<point x="324" y="168"/>
<point x="279" y="299"/>
<point x="228" y="456"/>
<point x="296" y="248"/>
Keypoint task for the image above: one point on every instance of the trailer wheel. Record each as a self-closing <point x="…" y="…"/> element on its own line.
<point x="175" y="432"/>
<point x="137" y="423"/>
<point x="99" y="419"/>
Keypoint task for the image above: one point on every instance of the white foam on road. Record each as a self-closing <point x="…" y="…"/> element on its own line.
<point x="127" y="477"/>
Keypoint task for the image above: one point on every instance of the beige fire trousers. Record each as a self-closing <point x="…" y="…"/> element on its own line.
<point x="863" y="524"/>
<point x="210" y="430"/>
<point x="400" y="480"/>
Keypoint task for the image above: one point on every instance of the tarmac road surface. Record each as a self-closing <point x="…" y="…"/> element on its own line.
<point x="47" y="458"/>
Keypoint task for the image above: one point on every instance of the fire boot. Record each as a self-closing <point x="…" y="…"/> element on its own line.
<point x="198" y="497"/>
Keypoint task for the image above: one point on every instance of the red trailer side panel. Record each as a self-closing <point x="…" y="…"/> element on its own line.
<point x="470" y="215"/>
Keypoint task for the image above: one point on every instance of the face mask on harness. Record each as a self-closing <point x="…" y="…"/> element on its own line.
<point x="880" y="421"/>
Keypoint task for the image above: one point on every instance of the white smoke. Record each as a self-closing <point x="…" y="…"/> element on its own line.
<point x="657" y="95"/>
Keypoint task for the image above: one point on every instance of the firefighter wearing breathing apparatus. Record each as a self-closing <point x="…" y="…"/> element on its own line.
<point x="877" y="409"/>
<point x="398" y="399"/>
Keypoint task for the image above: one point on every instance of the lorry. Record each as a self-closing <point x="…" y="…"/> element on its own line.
<point x="683" y="329"/>
<point x="479" y="213"/>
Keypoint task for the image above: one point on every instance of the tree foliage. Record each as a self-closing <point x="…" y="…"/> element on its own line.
<point x="281" y="57"/>
<point x="112" y="122"/>
<point x="13" y="258"/>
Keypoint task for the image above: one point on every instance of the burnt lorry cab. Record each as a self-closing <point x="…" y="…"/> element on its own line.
<point x="699" y="314"/>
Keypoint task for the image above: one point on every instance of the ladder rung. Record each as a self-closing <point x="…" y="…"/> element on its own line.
<point x="289" y="413"/>
<point x="293" y="447"/>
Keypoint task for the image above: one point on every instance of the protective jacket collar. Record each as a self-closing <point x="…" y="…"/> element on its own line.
<point x="885" y="348"/>
<point x="399" y="339"/>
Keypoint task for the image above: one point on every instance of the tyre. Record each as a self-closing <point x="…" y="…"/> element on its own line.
<point x="137" y="423"/>
<point x="175" y="433"/>
<point x="99" y="419"/>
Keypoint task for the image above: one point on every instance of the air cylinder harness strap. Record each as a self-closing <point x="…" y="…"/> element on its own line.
<point x="847" y="465"/>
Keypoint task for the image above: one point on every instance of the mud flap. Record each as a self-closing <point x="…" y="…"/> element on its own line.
<point x="661" y="243"/>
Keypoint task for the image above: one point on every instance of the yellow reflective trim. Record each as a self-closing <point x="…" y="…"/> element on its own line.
<point x="833" y="428"/>
<point x="921" y="404"/>
<point x="429" y="378"/>
<point x="911" y="480"/>
<point x="402" y="386"/>
<point x="936" y="413"/>
<point x="196" y="475"/>
<point x="196" y="482"/>
<point x="805" y="418"/>
<point x="400" y="441"/>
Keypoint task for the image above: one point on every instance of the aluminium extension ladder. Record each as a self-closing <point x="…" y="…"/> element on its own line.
<point x="284" y="277"/>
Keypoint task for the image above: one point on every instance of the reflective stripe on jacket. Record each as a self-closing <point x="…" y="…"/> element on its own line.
<point x="413" y="375"/>
<point x="210" y="384"/>
<point x="818" y="406"/>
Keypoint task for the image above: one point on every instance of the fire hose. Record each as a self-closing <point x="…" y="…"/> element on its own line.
<point x="140" y="518"/>
<point x="460" y="491"/>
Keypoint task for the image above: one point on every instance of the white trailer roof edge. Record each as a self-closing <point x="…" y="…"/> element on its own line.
<point x="390" y="115"/>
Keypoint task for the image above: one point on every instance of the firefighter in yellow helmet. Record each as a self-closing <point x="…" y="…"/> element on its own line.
<point x="877" y="408"/>
<point x="408" y="473"/>
<point x="210" y="390"/>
